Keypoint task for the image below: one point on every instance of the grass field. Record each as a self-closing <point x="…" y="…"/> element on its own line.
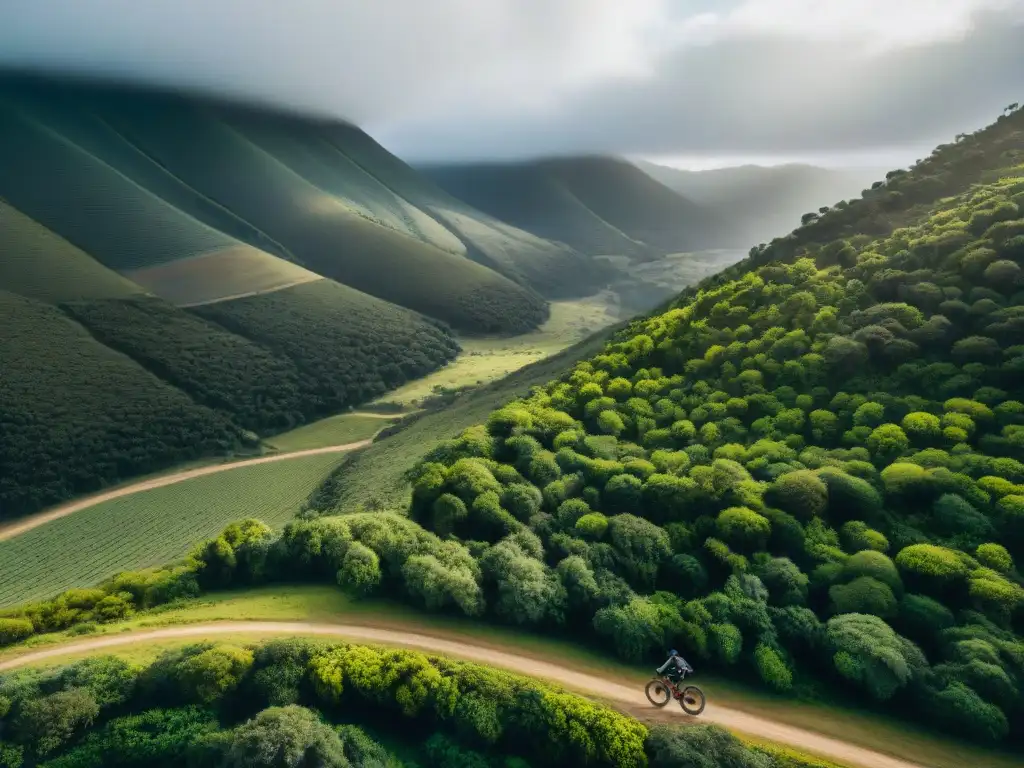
<point x="151" y="527"/>
<point x="377" y="473"/>
<point x="334" y="430"/>
<point x="327" y="604"/>
<point x="485" y="359"/>
<point x="233" y="272"/>
<point x="39" y="264"/>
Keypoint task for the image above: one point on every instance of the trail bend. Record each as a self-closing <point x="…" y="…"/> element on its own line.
<point x="625" y="698"/>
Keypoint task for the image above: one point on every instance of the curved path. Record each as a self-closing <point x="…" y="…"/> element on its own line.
<point x="63" y="510"/>
<point x="625" y="698"/>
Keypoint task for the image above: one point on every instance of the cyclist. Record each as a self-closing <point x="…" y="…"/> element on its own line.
<point x="675" y="667"/>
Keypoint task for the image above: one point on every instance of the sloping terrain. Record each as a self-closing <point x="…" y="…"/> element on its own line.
<point x="762" y="202"/>
<point x="808" y="470"/>
<point x="38" y="264"/>
<point x="553" y="268"/>
<point x="599" y="205"/>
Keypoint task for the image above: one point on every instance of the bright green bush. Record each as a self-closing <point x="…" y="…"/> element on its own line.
<point x="592" y="525"/>
<point x="772" y="668"/>
<point x="994" y="556"/>
<point x="803" y="494"/>
<point x="857" y="536"/>
<point x="743" y="527"/>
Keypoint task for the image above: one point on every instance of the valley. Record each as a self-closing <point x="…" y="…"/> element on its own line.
<point x="288" y="424"/>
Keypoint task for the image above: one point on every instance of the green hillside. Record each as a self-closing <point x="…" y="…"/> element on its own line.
<point x="763" y="202"/>
<point x="75" y="415"/>
<point x="551" y="268"/>
<point x="324" y="233"/>
<point x="39" y="264"/>
<point x="808" y="471"/>
<point x="600" y="205"/>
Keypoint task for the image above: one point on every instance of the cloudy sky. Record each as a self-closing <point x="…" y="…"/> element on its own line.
<point x="698" y="82"/>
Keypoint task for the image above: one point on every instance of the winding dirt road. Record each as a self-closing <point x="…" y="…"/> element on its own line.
<point x="626" y="698"/>
<point x="11" y="530"/>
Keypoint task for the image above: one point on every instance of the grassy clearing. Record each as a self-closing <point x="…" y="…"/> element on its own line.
<point x="151" y="527"/>
<point x="334" y="430"/>
<point x="326" y="604"/>
<point x="485" y="359"/>
<point x="377" y="473"/>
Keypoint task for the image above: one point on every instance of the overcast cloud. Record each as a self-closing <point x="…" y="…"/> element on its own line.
<point x="468" y="79"/>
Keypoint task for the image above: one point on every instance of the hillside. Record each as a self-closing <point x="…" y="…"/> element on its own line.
<point x="599" y="205"/>
<point x="808" y="471"/>
<point x="762" y="202"/>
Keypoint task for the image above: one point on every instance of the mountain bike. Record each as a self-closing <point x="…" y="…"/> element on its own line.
<point x="663" y="689"/>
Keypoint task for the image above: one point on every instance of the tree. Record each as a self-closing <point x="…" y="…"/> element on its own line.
<point x="698" y="746"/>
<point x="874" y="564"/>
<point x="49" y="722"/>
<point x="284" y="737"/>
<point x="640" y="547"/>
<point x="743" y="527"/>
<point x="868" y="653"/>
<point x="801" y="493"/>
<point x="360" y="569"/>
<point x="207" y="674"/>
<point x="864" y="595"/>
<point x="787" y="584"/>
<point x="888" y="441"/>
<point x="857" y="536"/>
<point x="772" y="668"/>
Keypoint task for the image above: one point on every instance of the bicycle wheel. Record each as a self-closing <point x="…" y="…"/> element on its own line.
<point x="658" y="693"/>
<point x="692" y="701"/>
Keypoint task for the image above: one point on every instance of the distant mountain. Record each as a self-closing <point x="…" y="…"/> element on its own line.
<point x="598" y="205"/>
<point x="763" y="202"/>
<point x="190" y="272"/>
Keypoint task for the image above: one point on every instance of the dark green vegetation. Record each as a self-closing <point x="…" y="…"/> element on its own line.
<point x="75" y="415"/>
<point x="308" y="704"/>
<point x="808" y="470"/>
<point x="600" y="205"/>
<point x="761" y="202"/>
<point x="66" y="403"/>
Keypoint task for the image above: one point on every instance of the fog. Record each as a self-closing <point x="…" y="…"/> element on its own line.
<point x="471" y="79"/>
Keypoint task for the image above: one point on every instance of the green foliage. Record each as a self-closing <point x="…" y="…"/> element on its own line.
<point x="864" y="595"/>
<point x="772" y="668"/>
<point x="284" y="737"/>
<point x="204" y="675"/>
<point x="699" y="746"/>
<point x="867" y="652"/>
<point x="857" y="536"/>
<point x="801" y="493"/>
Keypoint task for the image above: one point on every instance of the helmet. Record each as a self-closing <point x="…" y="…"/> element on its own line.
<point x="673" y="652"/>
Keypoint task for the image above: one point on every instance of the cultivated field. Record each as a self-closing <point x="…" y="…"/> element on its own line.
<point x="151" y="527"/>
<point x="233" y="272"/>
<point x="39" y="264"/>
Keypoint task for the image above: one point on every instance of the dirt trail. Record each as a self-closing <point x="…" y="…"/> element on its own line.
<point x="626" y="698"/>
<point x="11" y="530"/>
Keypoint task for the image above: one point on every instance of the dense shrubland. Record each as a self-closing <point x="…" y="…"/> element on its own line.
<point x="66" y="404"/>
<point x="260" y="391"/>
<point x="76" y="415"/>
<point x="811" y="469"/>
<point x="348" y="347"/>
<point x="299" y="703"/>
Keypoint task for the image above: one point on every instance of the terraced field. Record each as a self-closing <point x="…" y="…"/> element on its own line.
<point x="152" y="527"/>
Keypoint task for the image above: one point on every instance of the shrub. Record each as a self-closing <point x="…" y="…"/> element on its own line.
<point x="360" y="570"/>
<point x="867" y="652"/>
<point x="592" y="525"/>
<point x="864" y="595"/>
<point x="922" y="427"/>
<point x="857" y="536"/>
<point x="12" y="630"/>
<point x="206" y="675"/>
<point x="873" y="564"/>
<point x="994" y="556"/>
<point x="930" y="565"/>
<point x="743" y="527"/>
<point x="801" y="493"/>
<point x="849" y="496"/>
<point x="772" y="668"/>
<point x="922" y="618"/>
<point x="284" y="736"/>
<point x="888" y="440"/>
